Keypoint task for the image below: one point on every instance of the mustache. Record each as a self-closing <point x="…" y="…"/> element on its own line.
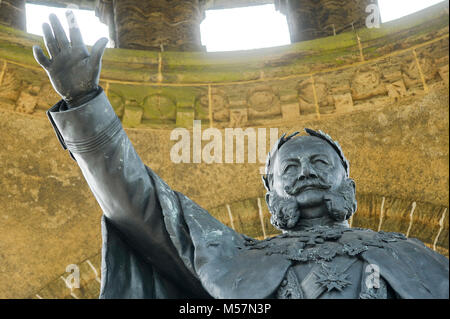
<point x="301" y="186"/>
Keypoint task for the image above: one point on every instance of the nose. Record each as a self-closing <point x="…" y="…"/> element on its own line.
<point x="306" y="171"/>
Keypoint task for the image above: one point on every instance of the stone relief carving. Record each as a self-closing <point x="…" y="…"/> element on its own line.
<point x="153" y="107"/>
<point x="219" y="102"/>
<point x="22" y="91"/>
<point x="263" y="102"/>
<point x="238" y="117"/>
<point x="393" y="79"/>
<point x="341" y="94"/>
<point x="396" y="89"/>
<point x="343" y="102"/>
<point x="367" y="83"/>
<point x="117" y="102"/>
<point x="132" y="115"/>
<point x="411" y="75"/>
<point x="27" y="100"/>
<point x="159" y="106"/>
<point x="306" y="95"/>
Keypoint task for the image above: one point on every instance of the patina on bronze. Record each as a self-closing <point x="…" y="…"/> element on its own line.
<point x="157" y="243"/>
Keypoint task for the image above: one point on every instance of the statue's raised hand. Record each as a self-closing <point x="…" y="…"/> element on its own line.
<point x="73" y="72"/>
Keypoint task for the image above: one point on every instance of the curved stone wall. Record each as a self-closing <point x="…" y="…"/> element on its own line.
<point x="384" y="98"/>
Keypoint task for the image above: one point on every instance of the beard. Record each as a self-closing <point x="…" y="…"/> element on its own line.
<point x="286" y="211"/>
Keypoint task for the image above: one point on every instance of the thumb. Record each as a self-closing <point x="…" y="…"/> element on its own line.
<point x="97" y="51"/>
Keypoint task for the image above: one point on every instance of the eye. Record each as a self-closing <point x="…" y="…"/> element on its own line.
<point x="289" y="168"/>
<point x="320" y="162"/>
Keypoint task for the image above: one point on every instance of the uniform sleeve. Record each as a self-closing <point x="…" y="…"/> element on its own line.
<point x="119" y="180"/>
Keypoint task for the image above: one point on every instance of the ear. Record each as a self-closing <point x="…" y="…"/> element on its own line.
<point x="355" y="203"/>
<point x="349" y="182"/>
<point x="353" y="184"/>
<point x="265" y="180"/>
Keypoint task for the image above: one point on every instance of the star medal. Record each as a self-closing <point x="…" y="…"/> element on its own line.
<point x="330" y="278"/>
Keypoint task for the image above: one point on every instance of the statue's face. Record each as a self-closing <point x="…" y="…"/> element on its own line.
<point x="307" y="168"/>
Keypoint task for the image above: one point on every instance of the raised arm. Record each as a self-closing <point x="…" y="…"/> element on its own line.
<point x="88" y="127"/>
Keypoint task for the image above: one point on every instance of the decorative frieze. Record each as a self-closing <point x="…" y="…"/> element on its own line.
<point x="343" y="103"/>
<point x="185" y="117"/>
<point x="238" y="117"/>
<point x="367" y="83"/>
<point x="396" y="90"/>
<point x="132" y="115"/>
<point x="290" y="111"/>
<point x="263" y="102"/>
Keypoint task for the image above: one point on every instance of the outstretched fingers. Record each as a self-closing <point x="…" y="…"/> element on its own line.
<point x="49" y="39"/>
<point x="40" y="57"/>
<point x="58" y="31"/>
<point x="74" y="30"/>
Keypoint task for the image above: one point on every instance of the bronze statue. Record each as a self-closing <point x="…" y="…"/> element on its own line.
<point x="157" y="243"/>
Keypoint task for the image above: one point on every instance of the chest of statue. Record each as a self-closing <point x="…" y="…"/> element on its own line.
<point x="326" y="263"/>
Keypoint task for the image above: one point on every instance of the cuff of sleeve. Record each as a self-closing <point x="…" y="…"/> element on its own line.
<point x="86" y="127"/>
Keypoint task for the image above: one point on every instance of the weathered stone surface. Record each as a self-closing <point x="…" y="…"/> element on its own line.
<point x="443" y="72"/>
<point x="81" y="281"/>
<point x="219" y="104"/>
<point x="411" y="75"/>
<point x="307" y="109"/>
<point x="36" y="230"/>
<point x="306" y="91"/>
<point x="159" y="106"/>
<point x="132" y="115"/>
<point x="367" y="83"/>
<point x="311" y="19"/>
<point x="185" y="118"/>
<point x="343" y="102"/>
<point x="12" y="14"/>
<point x="290" y="111"/>
<point x="117" y="102"/>
<point x="46" y="96"/>
<point x="396" y="90"/>
<point x="263" y="102"/>
<point x="238" y="117"/>
<point x="27" y="100"/>
<point x="290" y="96"/>
<point x="403" y="156"/>
<point x="154" y="25"/>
